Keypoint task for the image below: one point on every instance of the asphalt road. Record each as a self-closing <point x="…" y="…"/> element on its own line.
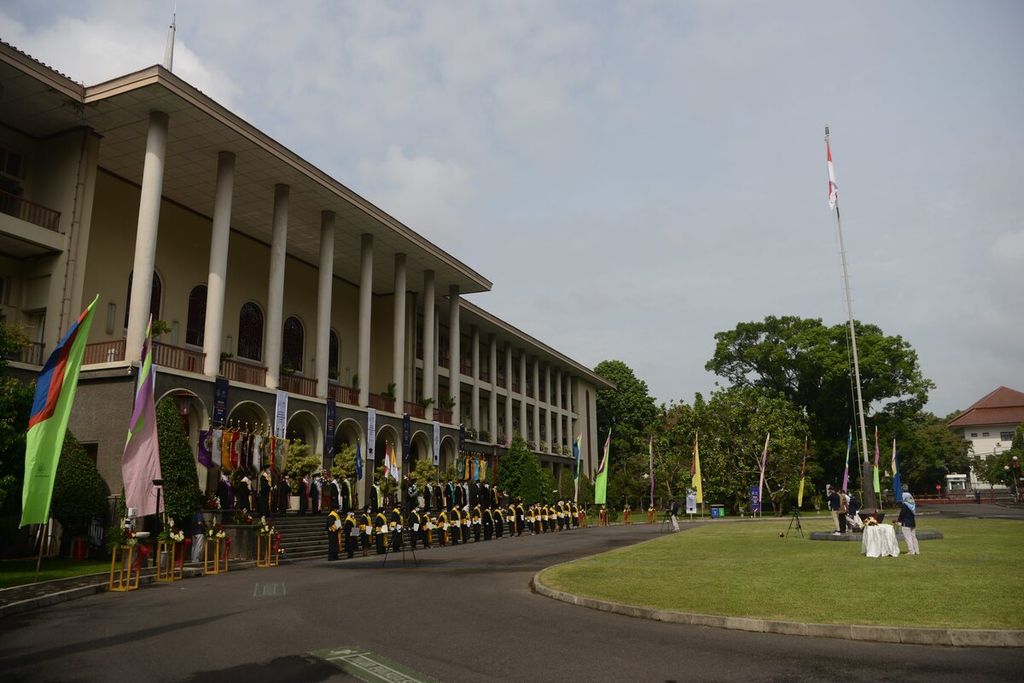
<point x="465" y="614"/>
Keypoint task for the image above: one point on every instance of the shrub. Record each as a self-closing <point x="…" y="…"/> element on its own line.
<point x="177" y="463"/>
<point x="79" y="494"/>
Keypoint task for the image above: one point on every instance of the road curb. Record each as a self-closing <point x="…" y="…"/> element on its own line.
<point x="952" y="637"/>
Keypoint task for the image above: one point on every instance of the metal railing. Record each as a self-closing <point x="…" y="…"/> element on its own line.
<point x="444" y="416"/>
<point x="378" y="402"/>
<point x="246" y="373"/>
<point x="415" y="410"/>
<point x="37" y="214"/>
<point x="104" y="352"/>
<point x="178" y="357"/>
<point x="31" y="353"/>
<point x="346" y="395"/>
<point x="297" y="384"/>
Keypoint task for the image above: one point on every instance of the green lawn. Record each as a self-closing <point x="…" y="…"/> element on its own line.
<point x="974" y="578"/>
<point x="17" y="572"/>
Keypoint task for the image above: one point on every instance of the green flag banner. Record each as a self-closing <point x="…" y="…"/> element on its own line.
<point x="601" y="479"/>
<point x="48" y="421"/>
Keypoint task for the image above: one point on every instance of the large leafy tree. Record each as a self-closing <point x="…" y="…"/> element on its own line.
<point x="928" y="449"/>
<point x="520" y="473"/>
<point x="808" y="363"/>
<point x="630" y="412"/>
<point x="177" y="463"/>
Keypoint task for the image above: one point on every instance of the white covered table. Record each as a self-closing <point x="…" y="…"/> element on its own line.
<point x="880" y="541"/>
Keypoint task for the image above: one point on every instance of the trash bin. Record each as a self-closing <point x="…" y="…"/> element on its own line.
<point x="717" y="511"/>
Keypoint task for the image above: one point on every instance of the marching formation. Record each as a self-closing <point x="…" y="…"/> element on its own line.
<point x="442" y="515"/>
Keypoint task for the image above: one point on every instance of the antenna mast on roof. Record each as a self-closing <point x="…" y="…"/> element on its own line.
<point x="169" y="50"/>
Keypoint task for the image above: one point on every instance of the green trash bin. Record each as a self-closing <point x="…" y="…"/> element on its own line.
<point x="717" y="511"/>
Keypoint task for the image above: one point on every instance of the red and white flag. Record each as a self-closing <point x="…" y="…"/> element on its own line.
<point x="833" y="188"/>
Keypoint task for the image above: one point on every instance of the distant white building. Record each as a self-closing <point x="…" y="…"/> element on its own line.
<point x="989" y="425"/>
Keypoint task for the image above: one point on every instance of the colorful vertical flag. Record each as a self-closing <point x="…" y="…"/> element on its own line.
<point x="140" y="464"/>
<point x="48" y="421"/>
<point x="650" y="464"/>
<point x="576" y="475"/>
<point x="833" y="188"/>
<point x="878" y="485"/>
<point x="359" y="462"/>
<point x="803" y="472"/>
<point x="601" y="477"/>
<point x="696" y="480"/>
<point x="764" y="461"/>
<point x="846" y="468"/>
<point x="897" y="484"/>
<point x="392" y="456"/>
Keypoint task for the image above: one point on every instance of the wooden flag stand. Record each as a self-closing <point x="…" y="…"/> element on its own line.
<point x="212" y="560"/>
<point x="124" y="576"/>
<point x="265" y="555"/>
<point x="171" y="572"/>
<point x="795" y="519"/>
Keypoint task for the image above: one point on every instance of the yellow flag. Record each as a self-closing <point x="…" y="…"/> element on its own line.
<point x="698" y="485"/>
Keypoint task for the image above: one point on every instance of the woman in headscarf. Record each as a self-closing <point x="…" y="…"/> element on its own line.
<point x="908" y="522"/>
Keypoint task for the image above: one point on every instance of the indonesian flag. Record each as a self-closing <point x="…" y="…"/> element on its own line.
<point x="833" y="188"/>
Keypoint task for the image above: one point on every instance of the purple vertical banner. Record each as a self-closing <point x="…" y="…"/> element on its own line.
<point x="330" y="421"/>
<point x="220" y="401"/>
<point x="406" y="436"/>
<point x="755" y="500"/>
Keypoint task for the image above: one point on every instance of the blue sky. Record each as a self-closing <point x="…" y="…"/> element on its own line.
<point x="637" y="176"/>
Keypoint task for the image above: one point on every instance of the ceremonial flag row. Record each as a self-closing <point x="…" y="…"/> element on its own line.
<point x="231" y="449"/>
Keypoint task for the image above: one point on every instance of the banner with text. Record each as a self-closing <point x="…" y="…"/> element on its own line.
<point x="371" y="432"/>
<point x="437" y="443"/>
<point x="220" y="401"/>
<point x="281" y="415"/>
<point x="330" y="419"/>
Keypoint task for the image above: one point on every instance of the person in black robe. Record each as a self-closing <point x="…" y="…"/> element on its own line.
<point x="398" y="529"/>
<point x="466" y="524"/>
<point x="334" y="525"/>
<point x="284" y="492"/>
<point x="380" y="529"/>
<point x="225" y="494"/>
<point x="488" y="524"/>
<point x="263" y="491"/>
<point x="314" y="494"/>
<point x="242" y="493"/>
<point x="350" y="531"/>
<point x="426" y="497"/>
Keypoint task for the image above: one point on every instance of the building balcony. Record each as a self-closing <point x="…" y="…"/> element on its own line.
<point x="443" y="359"/>
<point x="378" y="402"/>
<point x="178" y="357"/>
<point x="30" y="212"/>
<point x="444" y="416"/>
<point x="241" y="371"/>
<point x="104" y="352"/>
<point x="31" y="353"/>
<point x="467" y="367"/>
<point x="297" y="384"/>
<point x="485" y="375"/>
<point x="340" y="394"/>
<point x="415" y="410"/>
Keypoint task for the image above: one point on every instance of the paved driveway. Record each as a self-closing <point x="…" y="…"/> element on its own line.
<point x="465" y="614"/>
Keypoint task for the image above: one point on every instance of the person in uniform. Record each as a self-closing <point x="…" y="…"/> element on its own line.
<point x="477" y="519"/>
<point x="442" y="527"/>
<point x="415" y="525"/>
<point x="380" y="530"/>
<point x="397" y="527"/>
<point x="304" y="495"/>
<point x="520" y="517"/>
<point x="488" y="523"/>
<point x="284" y="491"/>
<point x="499" y="522"/>
<point x="455" y="520"/>
<point x="575" y="509"/>
<point x="350" y="530"/>
<point x="426" y="498"/>
<point x="263" y="491"/>
<point x="334" y="526"/>
<point x="466" y="524"/>
<point x="426" y="529"/>
<point x="560" y="514"/>
<point x="366" y="529"/>
<point x="315" y="483"/>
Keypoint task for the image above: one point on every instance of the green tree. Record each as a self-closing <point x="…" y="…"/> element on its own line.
<point x="79" y="494"/>
<point x="548" y="488"/>
<point x="15" y="406"/>
<point x="998" y="468"/>
<point x="300" y="462"/>
<point x="177" y="463"/>
<point x="344" y="464"/>
<point x="424" y="473"/>
<point x="808" y="363"/>
<point x="519" y="473"/>
<point x="928" y="450"/>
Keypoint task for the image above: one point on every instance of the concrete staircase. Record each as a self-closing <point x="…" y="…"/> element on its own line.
<point x="303" y="537"/>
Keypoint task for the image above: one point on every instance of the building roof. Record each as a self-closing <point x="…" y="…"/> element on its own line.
<point x="1002" y="406"/>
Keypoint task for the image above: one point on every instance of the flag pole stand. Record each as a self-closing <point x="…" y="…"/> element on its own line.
<point x="42" y="544"/>
<point x="795" y="519"/>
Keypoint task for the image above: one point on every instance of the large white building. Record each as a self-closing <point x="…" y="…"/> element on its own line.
<point x="267" y="272"/>
<point x="989" y="424"/>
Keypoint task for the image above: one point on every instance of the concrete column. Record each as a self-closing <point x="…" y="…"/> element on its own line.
<point x="216" y="282"/>
<point x="275" y="289"/>
<point x="365" y="316"/>
<point x="492" y="404"/>
<point x="558" y="407"/>
<point x="591" y="410"/>
<point x="146" y="234"/>
<point x="429" y="350"/>
<point x="325" y="289"/>
<point x="508" y="394"/>
<point x="475" y="395"/>
<point x="398" y="355"/>
<point x="411" y="307"/>
<point x="522" y="395"/>
<point x="547" y="413"/>
<point x="536" y="403"/>
<point x="455" y="352"/>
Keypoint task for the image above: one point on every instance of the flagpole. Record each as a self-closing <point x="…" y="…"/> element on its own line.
<point x="869" y="494"/>
<point x="43" y="537"/>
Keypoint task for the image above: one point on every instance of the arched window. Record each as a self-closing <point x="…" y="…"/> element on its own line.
<point x="195" y="329"/>
<point x="250" y="332"/>
<point x="154" y="301"/>
<point x="291" y="347"/>
<point x="333" y="354"/>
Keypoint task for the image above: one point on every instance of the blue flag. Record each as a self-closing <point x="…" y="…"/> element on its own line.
<point x="359" y="462"/>
<point x="897" y="485"/>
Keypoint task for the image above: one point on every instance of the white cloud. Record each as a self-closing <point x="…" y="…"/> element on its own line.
<point x="423" y="192"/>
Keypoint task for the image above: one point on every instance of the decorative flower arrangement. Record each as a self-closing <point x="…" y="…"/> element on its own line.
<point x="244" y="517"/>
<point x="266" y="528"/>
<point x="215" y="533"/>
<point x="212" y="503"/>
<point x="170" y="534"/>
<point x="870" y="521"/>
